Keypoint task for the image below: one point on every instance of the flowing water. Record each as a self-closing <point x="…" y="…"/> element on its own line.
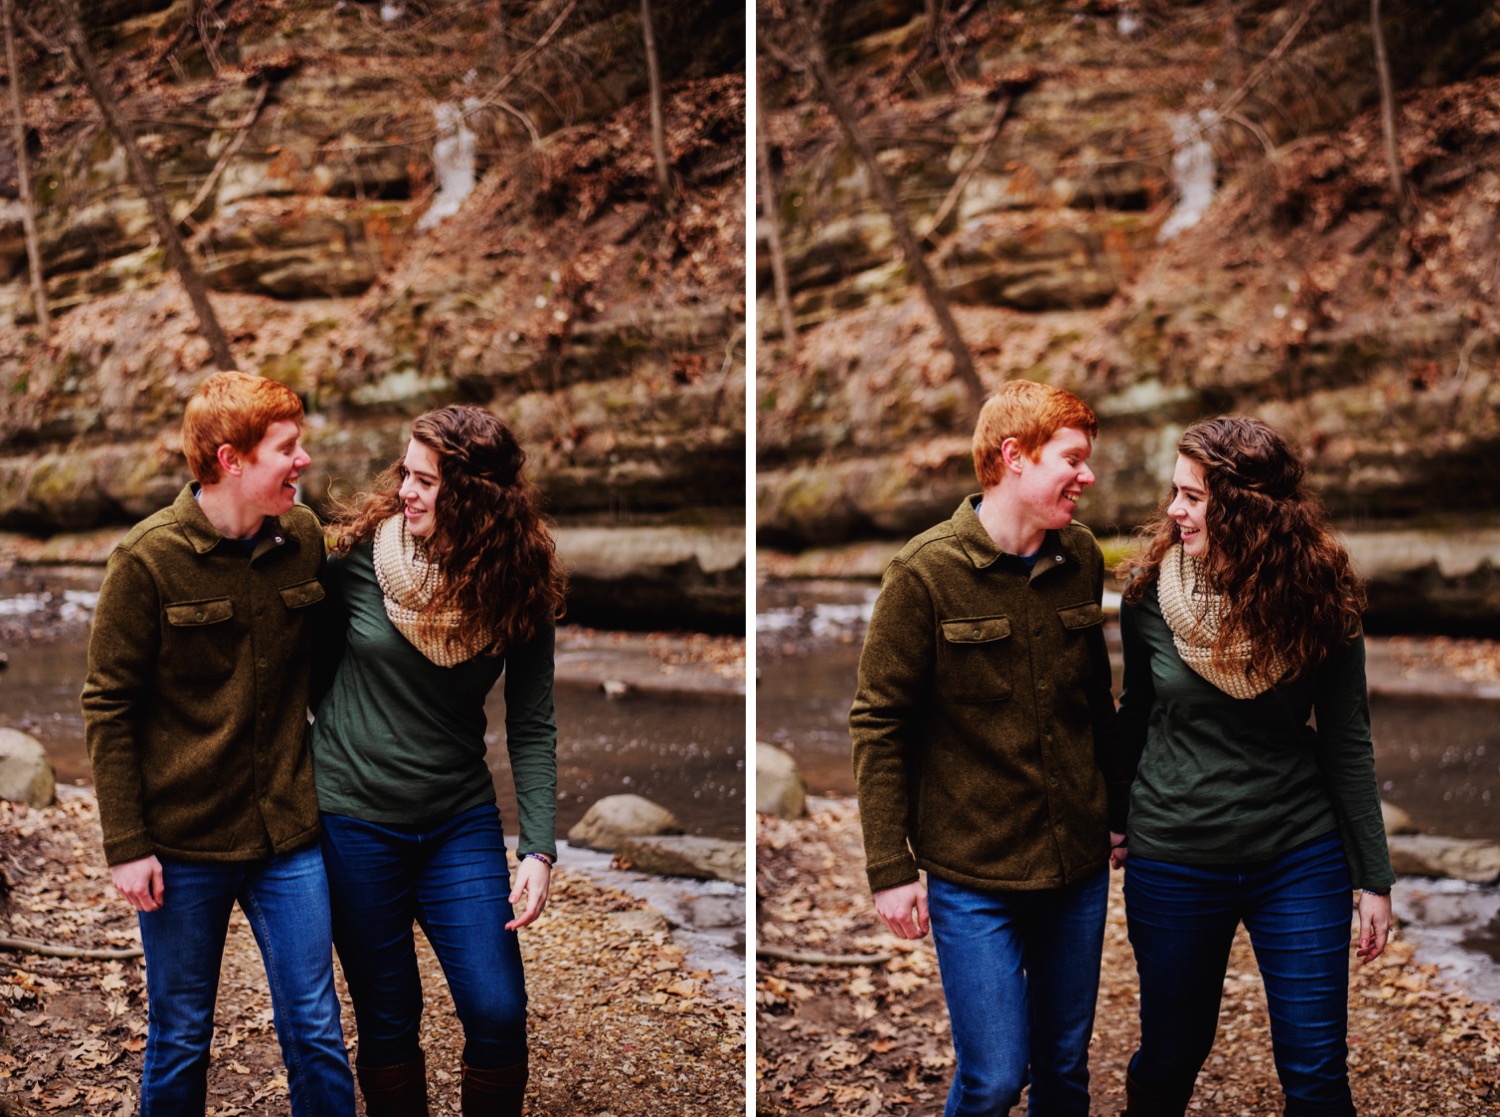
<point x="1437" y="757"/>
<point x="684" y="751"/>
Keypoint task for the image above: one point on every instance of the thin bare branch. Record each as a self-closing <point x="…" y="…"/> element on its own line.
<point x="1400" y="195"/>
<point x="536" y="137"/>
<point x="145" y="180"/>
<point x="228" y="154"/>
<point x="658" y="128"/>
<point x="911" y="248"/>
<point x="1264" y="66"/>
<point x="811" y="958"/>
<point x="54" y="950"/>
<point x="770" y="201"/>
<point x="970" y="168"/>
<point x="23" y="172"/>
<point x="530" y="53"/>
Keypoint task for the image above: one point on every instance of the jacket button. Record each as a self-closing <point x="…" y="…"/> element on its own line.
<point x="976" y="634"/>
<point x="198" y="616"/>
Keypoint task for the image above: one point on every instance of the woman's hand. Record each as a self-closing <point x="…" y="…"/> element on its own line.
<point x="1119" y="850"/>
<point x="1374" y="925"/>
<point x="534" y="879"/>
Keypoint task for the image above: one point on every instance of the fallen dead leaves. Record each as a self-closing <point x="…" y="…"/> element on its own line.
<point x="866" y="1040"/>
<point x="619" y="1024"/>
<point x="1474" y="661"/>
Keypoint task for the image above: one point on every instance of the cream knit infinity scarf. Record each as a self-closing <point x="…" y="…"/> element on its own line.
<point x="1194" y="615"/>
<point x="408" y="583"/>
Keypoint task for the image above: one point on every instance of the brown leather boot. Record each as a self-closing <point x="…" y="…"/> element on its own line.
<point x="398" y="1091"/>
<point x="1140" y="1102"/>
<point x="493" y="1093"/>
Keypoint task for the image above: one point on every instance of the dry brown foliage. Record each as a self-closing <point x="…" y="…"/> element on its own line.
<point x="619" y="1024"/>
<point x="867" y="1040"/>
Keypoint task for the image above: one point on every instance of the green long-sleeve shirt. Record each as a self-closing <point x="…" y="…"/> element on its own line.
<point x="399" y="739"/>
<point x="1228" y="781"/>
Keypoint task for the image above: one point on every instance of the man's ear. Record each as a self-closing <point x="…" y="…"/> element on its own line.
<point x="229" y="460"/>
<point x="1011" y="455"/>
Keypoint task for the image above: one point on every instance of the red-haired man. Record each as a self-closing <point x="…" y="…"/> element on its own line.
<point x="195" y="713"/>
<point x="983" y="727"/>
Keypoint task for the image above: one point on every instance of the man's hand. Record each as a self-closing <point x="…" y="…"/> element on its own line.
<point x="904" y="910"/>
<point x="1119" y="852"/>
<point x="140" y="882"/>
<point x="534" y="879"/>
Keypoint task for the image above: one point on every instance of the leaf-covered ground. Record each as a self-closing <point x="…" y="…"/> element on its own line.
<point x="619" y="1024"/>
<point x="861" y="1040"/>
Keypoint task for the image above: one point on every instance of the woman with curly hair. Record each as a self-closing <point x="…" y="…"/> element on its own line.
<point x="441" y="580"/>
<point x="1241" y="627"/>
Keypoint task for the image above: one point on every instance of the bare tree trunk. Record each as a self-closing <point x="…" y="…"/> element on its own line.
<point x="1234" y="41"/>
<point x="1399" y="195"/>
<point x="658" y="129"/>
<point x="23" y="171"/>
<point x="145" y="181"/>
<point x="770" y="199"/>
<point x="885" y="193"/>
<point x="497" y="41"/>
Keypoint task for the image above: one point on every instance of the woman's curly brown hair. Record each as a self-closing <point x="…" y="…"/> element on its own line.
<point x="1286" y="582"/>
<point x="499" y="563"/>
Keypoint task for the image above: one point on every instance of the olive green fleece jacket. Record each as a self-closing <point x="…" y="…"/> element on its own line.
<point x="195" y="704"/>
<point x="983" y="723"/>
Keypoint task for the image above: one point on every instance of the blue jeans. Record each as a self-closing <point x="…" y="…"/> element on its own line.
<point x="1182" y="921"/>
<point x="285" y="899"/>
<point x="1020" y="974"/>
<point x="453" y="879"/>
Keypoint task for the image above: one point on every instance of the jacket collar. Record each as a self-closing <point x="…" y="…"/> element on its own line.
<point x="984" y="552"/>
<point x="202" y="534"/>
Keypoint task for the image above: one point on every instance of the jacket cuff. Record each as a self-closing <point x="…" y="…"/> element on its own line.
<point x="130" y="847"/>
<point x="892" y="873"/>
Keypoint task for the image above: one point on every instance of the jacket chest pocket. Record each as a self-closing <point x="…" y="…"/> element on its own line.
<point x="200" y="642"/>
<point x="974" y="659"/>
<point x="1071" y="663"/>
<point x="303" y="594"/>
<point x="1080" y="618"/>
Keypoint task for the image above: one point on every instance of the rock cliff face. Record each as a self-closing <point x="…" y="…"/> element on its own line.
<point x="396" y="206"/>
<point x="1175" y="210"/>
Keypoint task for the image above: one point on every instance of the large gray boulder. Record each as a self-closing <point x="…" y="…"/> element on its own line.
<point x="616" y="817"/>
<point x="779" y="788"/>
<point x="1396" y="820"/>
<point x="685" y="856"/>
<point x="26" y="774"/>
<point x="1470" y="859"/>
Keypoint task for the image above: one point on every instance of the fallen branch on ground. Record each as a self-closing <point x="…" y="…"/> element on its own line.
<point x="780" y="954"/>
<point x="51" y="950"/>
